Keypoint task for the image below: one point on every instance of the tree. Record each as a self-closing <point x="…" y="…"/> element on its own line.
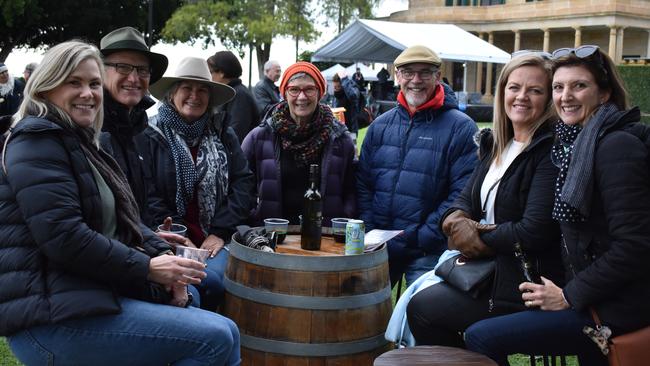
<point x="38" y="23"/>
<point x="239" y="24"/>
<point x="344" y="11"/>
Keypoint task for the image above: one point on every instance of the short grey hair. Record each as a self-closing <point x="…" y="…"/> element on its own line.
<point x="269" y="64"/>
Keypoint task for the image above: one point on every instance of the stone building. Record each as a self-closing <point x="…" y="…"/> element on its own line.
<point x="620" y="27"/>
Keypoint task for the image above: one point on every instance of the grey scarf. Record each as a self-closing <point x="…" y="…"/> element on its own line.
<point x="579" y="184"/>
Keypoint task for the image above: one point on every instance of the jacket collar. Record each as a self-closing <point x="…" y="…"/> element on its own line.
<point x="119" y="121"/>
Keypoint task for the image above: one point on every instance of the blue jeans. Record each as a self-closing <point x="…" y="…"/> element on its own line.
<point x="535" y="333"/>
<point x="142" y="334"/>
<point x="211" y="288"/>
<point x="413" y="269"/>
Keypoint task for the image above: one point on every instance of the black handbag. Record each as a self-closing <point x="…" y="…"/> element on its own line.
<point x="467" y="275"/>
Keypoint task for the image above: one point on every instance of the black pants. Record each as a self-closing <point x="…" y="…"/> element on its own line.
<point x="438" y="315"/>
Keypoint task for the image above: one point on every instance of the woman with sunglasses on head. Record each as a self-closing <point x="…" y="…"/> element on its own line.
<point x="512" y="191"/>
<point x="80" y="274"/>
<point x="297" y="132"/>
<point x="602" y="201"/>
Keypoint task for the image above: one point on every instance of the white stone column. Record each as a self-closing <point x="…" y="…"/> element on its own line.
<point x="547" y="39"/>
<point x="612" y="42"/>
<point x="619" y="45"/>
<point x="488" y="77"/>
<point x="479" y="66"/>
<point x="647" y="49"/>
<point x="577" y="42"/>
<point x="517" y="45"/>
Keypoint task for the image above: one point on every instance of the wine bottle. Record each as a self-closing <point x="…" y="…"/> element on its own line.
<point x="312" y="213"/>
<point x="530" y="272"/>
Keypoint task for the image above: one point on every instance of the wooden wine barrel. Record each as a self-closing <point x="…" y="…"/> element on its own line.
<point x="298" y="307"/>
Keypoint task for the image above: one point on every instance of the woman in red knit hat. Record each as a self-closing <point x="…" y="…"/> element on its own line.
<point x="295" y="133"/>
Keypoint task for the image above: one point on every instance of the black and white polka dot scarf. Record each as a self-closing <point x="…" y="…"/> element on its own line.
<point x="577" y="148"/>
<point x="209" y="174"/>
<point x="561" y="156"/>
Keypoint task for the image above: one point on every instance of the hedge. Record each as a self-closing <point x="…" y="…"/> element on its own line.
<point x="637" y="83"/>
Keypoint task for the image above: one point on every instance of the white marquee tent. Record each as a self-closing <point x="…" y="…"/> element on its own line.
<point x="382" y="41"/>
<point x="368" y="73"/>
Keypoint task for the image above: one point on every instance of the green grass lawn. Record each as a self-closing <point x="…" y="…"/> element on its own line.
<point x="6" y="357"/>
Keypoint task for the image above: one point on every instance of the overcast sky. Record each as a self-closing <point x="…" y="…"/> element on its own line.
<point x="282" y="49"/>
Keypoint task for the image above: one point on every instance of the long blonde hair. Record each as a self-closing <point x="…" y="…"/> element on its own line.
<point x="57" y="65"/>
<point x="502" y="125"/>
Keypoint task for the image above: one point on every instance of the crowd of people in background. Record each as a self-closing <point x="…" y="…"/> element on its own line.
<point x="87" y="178"/>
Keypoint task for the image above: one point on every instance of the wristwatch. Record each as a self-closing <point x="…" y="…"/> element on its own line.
<point x="190" y="298"/>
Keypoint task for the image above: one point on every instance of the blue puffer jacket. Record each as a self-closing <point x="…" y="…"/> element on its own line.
<point x="410" y="171"/>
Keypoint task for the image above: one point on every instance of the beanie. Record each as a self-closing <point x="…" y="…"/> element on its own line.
<point x="309" y="69"/>
<point x="3" y="67"/>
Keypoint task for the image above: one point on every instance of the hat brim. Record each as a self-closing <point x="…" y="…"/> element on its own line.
<point x="157" y="61"/>
<point x="416" y="61"/>
<point x="220" y="93"/>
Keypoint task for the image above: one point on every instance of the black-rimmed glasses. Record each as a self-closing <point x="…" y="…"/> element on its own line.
<point x="127" y="69"/>
<point x="408" y="74"/>
<point x="543" y="54"/>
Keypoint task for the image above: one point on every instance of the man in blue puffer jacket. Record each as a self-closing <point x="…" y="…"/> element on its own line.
<point x="414" y="162"/>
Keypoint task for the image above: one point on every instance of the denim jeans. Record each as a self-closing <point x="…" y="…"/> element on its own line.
<point x="211" y="287"/>
<point x="413" y="269"/>
<point x="142" y="334"/>
<point x="535" y="333"/>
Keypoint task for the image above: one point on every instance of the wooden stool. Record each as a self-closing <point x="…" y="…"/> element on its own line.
<point x="432" y="356"/>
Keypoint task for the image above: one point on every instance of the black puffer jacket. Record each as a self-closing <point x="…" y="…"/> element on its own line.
<point x="162" y="177"/>
<point x="241" y="112"/>
<point x="522" y="212"/>
<point x="55" y="265"/>
<point x="609" y="254"/>
<point x="118" y="139"/>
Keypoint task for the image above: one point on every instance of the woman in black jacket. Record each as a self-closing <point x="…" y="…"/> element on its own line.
<point x="199" y="177"/>
<point x="602" y="201"/>
<point x="511" y="190"/>
<point x="79" y="273"/>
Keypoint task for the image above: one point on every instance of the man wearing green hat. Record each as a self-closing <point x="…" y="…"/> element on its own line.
<point x="130" y="68"/>
<point x="414" y="162"/>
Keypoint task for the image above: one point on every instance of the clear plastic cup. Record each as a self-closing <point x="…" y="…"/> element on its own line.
<point x="280" y="226"/>
<point x="338" y="229"/>
<point x="175" y="229"/>
<point x="197" y="254"/>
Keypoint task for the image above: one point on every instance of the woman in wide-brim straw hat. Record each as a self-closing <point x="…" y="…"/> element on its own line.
<point x="200" y="177"/>
<point x="297" y="132"/>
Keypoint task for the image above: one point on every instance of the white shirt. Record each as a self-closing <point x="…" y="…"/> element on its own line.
<point x="493" y="177"/>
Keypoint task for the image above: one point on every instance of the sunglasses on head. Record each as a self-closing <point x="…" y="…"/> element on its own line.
<point x="543" y="54"/>
<point x="580" y="52"/>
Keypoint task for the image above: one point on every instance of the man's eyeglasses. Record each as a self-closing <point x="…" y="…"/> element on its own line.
<point x="581" y="52"/>
<point x="309" y="91"/>
<point x="410" y="74"/>
<point x="543" y="54"/>
<point x="127" y="69"/>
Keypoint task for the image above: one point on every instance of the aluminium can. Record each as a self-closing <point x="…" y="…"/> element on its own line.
<point x="354" y="235"/>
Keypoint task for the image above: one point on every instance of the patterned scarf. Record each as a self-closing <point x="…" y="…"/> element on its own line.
<point x="561" y="157"/>
<point x="210" y="173"/>
<point x="575" y="183"/>
<point x="305" y="141"/>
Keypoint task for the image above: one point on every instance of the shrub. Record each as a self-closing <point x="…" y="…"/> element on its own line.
<point x="636" y="78"/>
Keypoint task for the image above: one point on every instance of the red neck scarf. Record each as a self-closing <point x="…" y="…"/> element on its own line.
<point x="435" y="102"/>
